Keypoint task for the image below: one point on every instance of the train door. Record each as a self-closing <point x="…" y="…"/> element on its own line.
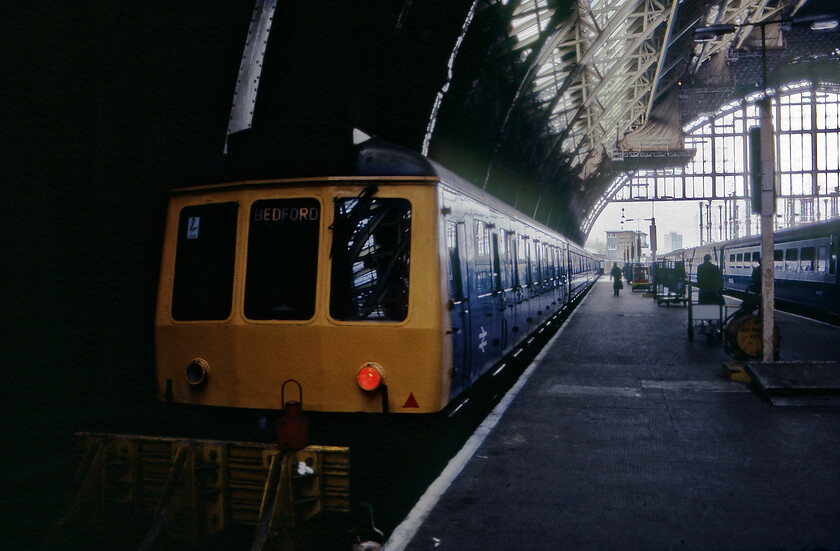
<point x="570" y="273"/>
<point x="499" y="285"/>
<point x="521" y="289"/>
<point x="537" y="297"/>
<point x="564" y="279"/>
<point x="459" y="300"/>
<point x="485" y="331"/>
<point x="509" y="284"/>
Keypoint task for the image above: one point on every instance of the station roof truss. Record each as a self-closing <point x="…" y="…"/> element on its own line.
<point x="599" y="73"/>
<point x="543" y="103"/>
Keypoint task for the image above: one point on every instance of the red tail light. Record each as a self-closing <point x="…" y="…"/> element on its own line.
<point x="369" y="376"/>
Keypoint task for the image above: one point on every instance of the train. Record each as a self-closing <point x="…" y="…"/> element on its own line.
<point x="391" y="287"/>
<point x="805" y="265"/>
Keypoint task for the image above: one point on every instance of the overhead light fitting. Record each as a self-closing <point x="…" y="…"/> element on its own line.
<point x="822" y="22"/>
<point x="825" y="25"/>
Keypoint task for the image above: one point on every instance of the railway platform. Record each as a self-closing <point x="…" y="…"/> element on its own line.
<point x="625" y="435"/>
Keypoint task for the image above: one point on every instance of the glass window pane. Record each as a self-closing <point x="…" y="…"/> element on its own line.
<point x="822" y="260"/>
<point x="456" y="282"/>
<point x="282" y="272"/>
<point x="370" y="259"/>
<point x="791" y="259"/>
<point x="522" y="261"/>
<point x="204" y="262"/>
<point x="807" y="259"/>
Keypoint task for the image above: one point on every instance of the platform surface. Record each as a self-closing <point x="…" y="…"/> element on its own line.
<point x="625" y="435"/>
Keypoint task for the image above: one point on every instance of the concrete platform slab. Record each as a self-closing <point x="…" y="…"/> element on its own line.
<point x="797" y="383"/>
<point x="625" y="435"/>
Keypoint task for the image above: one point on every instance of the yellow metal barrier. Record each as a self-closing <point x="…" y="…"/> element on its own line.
<point x="191" y="488"/>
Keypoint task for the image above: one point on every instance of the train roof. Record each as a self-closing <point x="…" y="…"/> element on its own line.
<point x="805" y="231"/>
<point x="333" y="153"/>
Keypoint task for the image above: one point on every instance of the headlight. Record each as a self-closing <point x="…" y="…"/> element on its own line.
<point x="197" y="372"/>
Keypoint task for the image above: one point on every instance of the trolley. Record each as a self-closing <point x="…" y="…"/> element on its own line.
<point x="639" y="278"/>
<point x="668" y="281"/>
<point x="704" y="319"/>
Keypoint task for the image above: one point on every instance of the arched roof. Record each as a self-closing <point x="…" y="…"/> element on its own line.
<point x="531" y="99"/>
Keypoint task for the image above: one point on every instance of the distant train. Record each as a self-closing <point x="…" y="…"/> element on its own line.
<point x="805" y="260"/>
<point x="392" y="289"/>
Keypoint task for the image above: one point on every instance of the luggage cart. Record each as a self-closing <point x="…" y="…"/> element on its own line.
<point x="704" y="319"/>
<point x="668" y="279"/>
<point x="639" y="278"/>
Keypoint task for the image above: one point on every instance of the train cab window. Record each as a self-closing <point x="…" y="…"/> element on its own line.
<point x="283" y="238"/>
<point x="807" y="260"/>
<point x="204" y="259"/>
<point x="832" y="260"/>
<point x="370" y="258"/>
<point x="778" y="259"/>
<point x="791" y="259"/>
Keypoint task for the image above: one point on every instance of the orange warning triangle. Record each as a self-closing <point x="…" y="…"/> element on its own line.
<point x="411" y="402"/>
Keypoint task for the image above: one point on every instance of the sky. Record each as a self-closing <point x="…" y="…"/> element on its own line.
<point x="682" y="217"/>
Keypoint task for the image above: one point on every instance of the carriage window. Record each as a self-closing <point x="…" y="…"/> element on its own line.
<point x="832" y="260"/>
<point x="791" y="259"/>
<point x="508" y="254"/>
<point x="204" y="257"/>
<point x="546" y="263"/>
<point x="739" y="261"/>
<point x="456" y="282"/>
<point x="483" y="269"/>
<point x="822" y="264"/>
<point x="807" y="261"/>
<point x="778" y="259"/>
<point x="283" y="239"/>
<point x="732" y="260"/>
<point x="563" y="259"/>
<point x="497" y="265"/>
<point x="522" y="261"/>
<point x="756" y="258"/>
<point x="535" y="263"/>
<point x="552" y="263"/>
<point x="370" y="258"/>
<point x="482" y="239"/>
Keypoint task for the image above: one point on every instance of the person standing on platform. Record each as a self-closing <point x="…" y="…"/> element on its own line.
<point x="755" y="278"/>
<point x="709" y="282"/>
<point x="615" y="275"/>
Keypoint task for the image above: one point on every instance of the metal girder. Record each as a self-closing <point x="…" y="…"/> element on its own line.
<point x="637" y="55"/>
<point x="663" y="51"/>
<point x="643" y="61"/>
<point x="738" y="12"/>
<point x="603" y="201"/>
<point x="555" y="32"/>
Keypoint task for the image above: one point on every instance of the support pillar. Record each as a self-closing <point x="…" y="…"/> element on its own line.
<point x="768" y="213"/>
